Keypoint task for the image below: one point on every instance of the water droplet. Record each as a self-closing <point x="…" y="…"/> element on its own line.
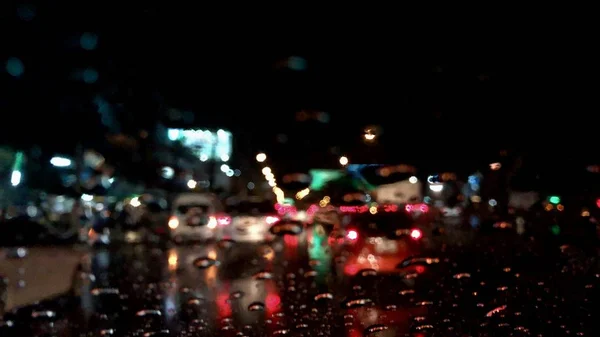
<point x="256" y="306"/>
<point x="368" y="272"/>
<point x="375" y="329"/>
<point x="286" y="228"/>
<point x="43" y="314"/>
<point x="263" y="275"/>
<point x="148" y="312"/>
<point x="418" y="261"/>
<point x="324" y="296"/>
<point x="204" y="262"/>
<point x="356" y="303"/>
<point x="195" y="301"/>
<point x="104" y="291"/>
<point x="225" y="243"/>
<point x="423" y="327"/>
<point x="236" y="295"/>
<point x="461" y="275"/>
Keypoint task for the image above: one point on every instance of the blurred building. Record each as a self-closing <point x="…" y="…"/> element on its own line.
<point x="213" y="151"/>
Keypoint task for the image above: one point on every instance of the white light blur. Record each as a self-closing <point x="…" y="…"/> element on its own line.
<point x="225" y="168"/>
<point x="344" y="160"/>
<point x="15" y="178"/>
<point x="167" y="172"/>
<point x="224" y="157"/>
<point x="413" y="180"/>
<point x="266" y="170"/>
<point x="192" y="184"/>
<point x="87" y="197"/>
<point x="495" y="166"/>
<point x="135" y="202"/>
<point x="436" y="187"/>
<point x="261" y="157"/>
<point x="60" y="162"/>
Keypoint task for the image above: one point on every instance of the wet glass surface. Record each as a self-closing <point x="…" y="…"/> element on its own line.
<point x="308" y="285"/>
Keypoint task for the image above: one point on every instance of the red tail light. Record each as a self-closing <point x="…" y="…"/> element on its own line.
<point x="285" y="210"/>
<point x="423" y="208"/>
<point x="416" y="234"/>
<point x="271" y="220"/>
<point x="352" y="235"/>
<point x="366" y="208"/>
<point x="272" y="301"/>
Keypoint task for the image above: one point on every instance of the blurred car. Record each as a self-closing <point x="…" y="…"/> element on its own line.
<point x="197" y="217"/>
<point x="379" y="239"/>
<point x="251" y="220"/>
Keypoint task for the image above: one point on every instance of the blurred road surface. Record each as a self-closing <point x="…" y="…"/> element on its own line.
<point x="461" y="283"/>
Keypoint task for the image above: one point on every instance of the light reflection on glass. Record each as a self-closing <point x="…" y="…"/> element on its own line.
<point x="211" y="276"/>
<point x="321" y="253"/>
<point x="212" y="254"/>
<point x="173" y="260"/>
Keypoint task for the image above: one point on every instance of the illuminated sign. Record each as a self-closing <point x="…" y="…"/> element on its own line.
<point x="204" y="143"/>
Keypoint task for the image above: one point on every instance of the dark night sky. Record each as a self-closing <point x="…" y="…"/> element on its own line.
<point x="436" y="91"/>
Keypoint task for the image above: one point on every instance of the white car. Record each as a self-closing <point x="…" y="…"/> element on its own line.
<point x="197" y="217"/>
<point x="251" y="221"/>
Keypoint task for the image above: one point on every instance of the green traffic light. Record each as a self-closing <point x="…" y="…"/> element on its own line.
<point x="554" y="200"/>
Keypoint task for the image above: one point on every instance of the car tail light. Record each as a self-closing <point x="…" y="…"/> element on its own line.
<point x="271" y="220"/>
<point x="416" y="234"/>
<point x="423" y="208"/>
<point x="212" y="222"/>
<point x="352" y="235"/>
<point x="272" y="302"/>
<point x="173" y="222"/>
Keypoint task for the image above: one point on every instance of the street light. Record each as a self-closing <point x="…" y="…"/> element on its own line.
<point x="261" y="157"/>
<point x="344" y="160"/>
